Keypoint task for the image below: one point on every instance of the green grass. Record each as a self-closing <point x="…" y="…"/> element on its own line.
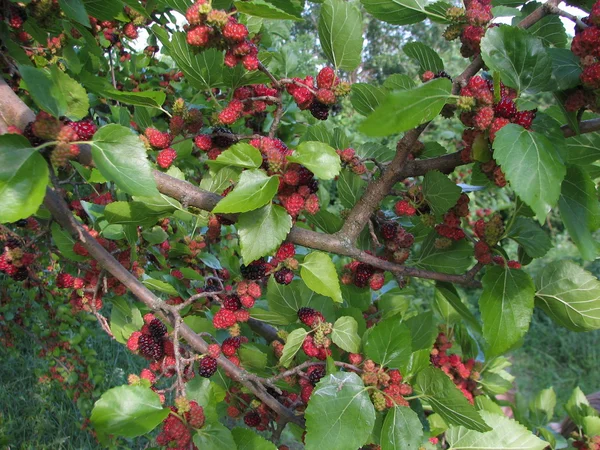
<point x="35" y="415"/>
<point x="554" y="356"/>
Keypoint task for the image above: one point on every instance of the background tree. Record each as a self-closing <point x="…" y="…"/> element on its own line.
<point x="283" y="232"/>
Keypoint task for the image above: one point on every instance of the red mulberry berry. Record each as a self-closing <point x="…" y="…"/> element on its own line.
<point x="85" y="129"/>
<point x="166" y="157"/>
<point x="203" y="142"/>
<point x="326" y="78"/>
<point x="252" y="419"/>
<point x="309" y="316"/>
<point x="158" y="139"/>
<point x="207" y="367"/>
<point x="224" y="319"/>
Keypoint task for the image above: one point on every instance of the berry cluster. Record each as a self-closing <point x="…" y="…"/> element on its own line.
<point x="235" y="306"/>
<point x="47" y="128"/>
<point x="297" y="184"/>
<point x="317" y="98"/>
<point x="248" y="101"/>
<point x="361" y="274"/>
<point x="309" y="380"/>
<point x="586" y="45"/>
<point x="177" y="428"/>
<point x="316" y="345"/>
<point x="398" y="242"/>
<point x="485" y="118"/>
<point x="213" y="144"/>
<point x="591" y="443"/>
<point x="390" y="390"/>
<point x="150" y="341"/>
<point x="351" y="161"/>
<point x="15" y="260"/>
<point x="469" y="24"/>
<point x="450" y="229"/>
<point x="463" y="373"/>
<point x="284" y="263"/>
<point x="209" y="27"/>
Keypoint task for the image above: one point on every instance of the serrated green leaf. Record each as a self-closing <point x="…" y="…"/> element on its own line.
<point x="239" y="155"/>
<point x="121" y="157"/>
<point x="520" y="58"/>
<point x="214" y="436"/>
<point x="506" y="306"/>
<point x="340" y="33"/>
<point x="260" y="8"/>
<point x="506" y="434"/>
<point x="350" y="188"/>
<point x="365" y="97"/>
<point x="128" y="411"/>
<point x="389" y="343"/>
<point x="446" y="400"/>
<point x="319" y="274"/>
<point x="75" y="9"/>
<point x="403" y="12"/>
<point x="425" y="56"/>
<point x="580" y="211"/>
<point x="255" y="189"/>
<point x="262" y="231"/>
<point x="292" y="345"/>
<point x="24" y="176"/>
<point x="340" y="415"/>
<point x="286" y="300"/>
<point x="403" y="110"/>
<point x="401" y="429"/>
<point x="440" y="192"/>
<point x="319" y="158"/>
<point x="570" y="295"/>
<point x="532" y="166"/>
<point x="345" y="334"/>
<point x="529" y="235"/>
<point x="455" y="259"/>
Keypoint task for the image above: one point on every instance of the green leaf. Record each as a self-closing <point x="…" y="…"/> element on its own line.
<point x="319" y="158"/>
<point x="255" y="189"/>
<point x="446" y="400"/>
<point x="319" y="274"/>
<point x="101" y="87"/>
<point x="202" y="70"/>
<point x="340" y="34"/>
<point x="340" y="415"/>
<point x="252" y="358"/>
<point x="350" y="188"/>
<point x="260" y="8"/>
<point x="239" y="155"/>
<point x="401" y="429"/>
<point x="520" y="58"/>
<point x="542" y="406"/>
<point x="128" y="411"/>
<point x="56" y="92"/>
<point x="135" y="213"/>
<point x="75" y="9"/>
<point x="425" y="56"/>
<point x="578" y="407"/>
<point x="580" y="211"/>
<point x="570" y="295"/>
<point x="423" y="331"/>
<point x="403" y="110"/>
<point x="262" y="231"/>
<point x="506" y="306"/>
<point x="365" y="97"/>
<point x="345" y="334"/>
<point x="531" y="165"/>
<point x="591" y="426"/>
<point x="246" y="439"/>
<point x="398" y="82"/>
<point x="389" y="343"/>
<point x="155" y="235"/>
<point x="583" y="149"/>
<point x="449" y="292"/>
<point x="104" y="9"/>
<point x="455" y="259"/>
<point x="121" y="157"/>
<point x="505" y="434"/>
<point x="23" y="178"/>
<point x="403" y="12"/>
<point x="286" y="300"/>
<point x="292" y="345"/>
<point x="64" y="242"/>
<point x="440" y="192"/>
<point x="529" y="235"/>
<point x="161" y="286"/>
<point x="565" y="68"/>
<point x="214" y="436"/>
<point x="550" y="30"/>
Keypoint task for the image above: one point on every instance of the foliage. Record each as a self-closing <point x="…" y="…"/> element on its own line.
<point x="285" y="233"/>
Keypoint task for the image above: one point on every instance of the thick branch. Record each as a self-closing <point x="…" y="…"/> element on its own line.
<point x="12" y="109"/>
<point x="60" y="211"/>
<point x="586" y="126"/>
<point x="378" y="188"/>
